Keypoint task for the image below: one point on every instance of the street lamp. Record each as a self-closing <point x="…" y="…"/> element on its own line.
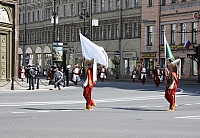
<point x="83" y="16"/>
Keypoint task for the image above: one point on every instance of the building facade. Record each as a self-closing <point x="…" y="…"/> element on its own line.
<point x="8" y="39"/>
<point x="175" y="19"/>
<point x="117" y="28"/>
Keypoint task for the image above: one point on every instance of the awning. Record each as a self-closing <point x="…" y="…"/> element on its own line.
<point x="38" y="50"/>
<point x="20" y="52"/>
<point x="47" y="50"/>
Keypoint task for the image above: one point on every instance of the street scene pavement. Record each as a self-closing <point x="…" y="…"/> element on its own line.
<point x="124" y="109"/>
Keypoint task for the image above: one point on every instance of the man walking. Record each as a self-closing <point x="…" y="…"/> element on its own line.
<point x="31" y="76"/>
<point x="88" y="86"/>
<point x="58" y="77"/>
<point x="172" y="82"/>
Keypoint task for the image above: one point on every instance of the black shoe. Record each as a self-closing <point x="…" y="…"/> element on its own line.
<point x="32" y="88"/>
<point x="59" y="89"/>
<point x="28" y="89"/>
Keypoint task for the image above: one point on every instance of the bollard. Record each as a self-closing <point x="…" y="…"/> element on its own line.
<point x="37" y="83"/>
<point x="12" y="84"/>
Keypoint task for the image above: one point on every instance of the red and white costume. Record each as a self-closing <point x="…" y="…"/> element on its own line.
<point x="75" y="74"/>
<point x="22" y="73"/>
<point x="143" y="74"/>
<point x="88" y="86"/>
<point x="134" y="73"/>
<point x="102" y="73"/>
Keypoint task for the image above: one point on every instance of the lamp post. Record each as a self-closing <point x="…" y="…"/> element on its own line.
<point x="83" y="16"/>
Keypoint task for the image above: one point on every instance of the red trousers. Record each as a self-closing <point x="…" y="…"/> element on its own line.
<point x="170" y="96"/>
<point x="87" y="94"/>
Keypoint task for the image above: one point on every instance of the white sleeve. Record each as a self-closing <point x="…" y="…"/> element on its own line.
<point x="86" y="82"/>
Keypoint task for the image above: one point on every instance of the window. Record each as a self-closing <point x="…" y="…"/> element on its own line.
<point x="149" y="35"/>
<point x="109" y="32"/>
<point x="194" y="32"/>
<point x="126" y="3"/>
<point x="174" y="1"/>
<point x="117" y="4"/>
<point x="135" y="30"/>
<point x="163" y="2"/>
<point x="150" y="3"/>
<point x="135" y="3"/>
<point x="29" y="16"/>
<point x="33" y="20"/>
<point x="183" y="33"/>
<point x="57" y="10"/>
<point x="162" y="29"/>
<point x="101" y="33"/>
<point x="95" y="6"/>
<point x="117" y="31"/>
<point x="109" y="5"/>
<point x="72" y="9"/>
<point x="94" y="33"/>
<point x="126" y="30"/>
<point x="80" y="7"/>
<point x="173" y="29"/>
<point x="65" y="8"/>
<point x="38" y="15"/>
<point x="102" y="5"/>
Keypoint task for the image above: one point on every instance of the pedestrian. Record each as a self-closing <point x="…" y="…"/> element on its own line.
<point x="75" y="74"/>
<point x="58" y="77"/>
<point x="157" y="75"/>
<point x="67" y="75"/>
<point x="172" y="73"/>
<point x="143" y="74"/>
<point x="31" y="76"/>
<point x="134" y="73"/>
<point x="22" y="73"/>
<point x="27" y="72"/>
<point x="102" y="73"/>
<point x="88" y="85"/>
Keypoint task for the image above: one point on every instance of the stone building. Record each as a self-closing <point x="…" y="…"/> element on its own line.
<point x="112" y="24"/>
<point x="175" y="19"/>
<point x="8" y="39"/>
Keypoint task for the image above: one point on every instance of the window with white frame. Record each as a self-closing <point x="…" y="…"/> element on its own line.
<point x="194" y="32"/>
<point x="116" y="31"/>
<point x="33" y="17"/>
<point x="150" y="3"/>
<point x="163" y="2"/>
<point x="135" y="30"/>
<point x="173" y="29"/>
<point x="126" y="30"/>
<point x="183" y="32"/>
<point x="149" y="35"/>
<point x="135" y="3"/>
<point x="38" y="15"/>
<point x="29" y="16"/>
<point x="109" y="32"/>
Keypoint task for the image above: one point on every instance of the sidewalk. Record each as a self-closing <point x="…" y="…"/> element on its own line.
<point x="44" y="84"/>
<point x="150" y="80"/>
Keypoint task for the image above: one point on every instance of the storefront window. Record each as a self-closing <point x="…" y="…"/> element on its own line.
<point x="111" y="66"/>
<point x="47" y="61"/>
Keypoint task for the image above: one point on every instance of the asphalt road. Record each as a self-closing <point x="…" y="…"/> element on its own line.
<point x="123" y="110"/>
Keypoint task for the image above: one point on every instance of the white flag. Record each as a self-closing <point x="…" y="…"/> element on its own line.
<point x="90" y="50"/>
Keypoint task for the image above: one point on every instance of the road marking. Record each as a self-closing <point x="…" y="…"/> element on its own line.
<point x="188" y="117"/>
<point x="17" y="112"/>
<point x="43" y="111"/>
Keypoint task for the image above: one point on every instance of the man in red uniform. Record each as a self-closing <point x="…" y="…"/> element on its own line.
<point x="172" y="83"/>
<point x="88" y="86"/>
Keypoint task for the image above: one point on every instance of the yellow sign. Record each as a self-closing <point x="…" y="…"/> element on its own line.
<point x="148" y="55"/>
<point x="173" y="47"/>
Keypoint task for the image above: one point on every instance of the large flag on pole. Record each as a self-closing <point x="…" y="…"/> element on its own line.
<point x="168" y="52"/>
<point x="90" y="50"/>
